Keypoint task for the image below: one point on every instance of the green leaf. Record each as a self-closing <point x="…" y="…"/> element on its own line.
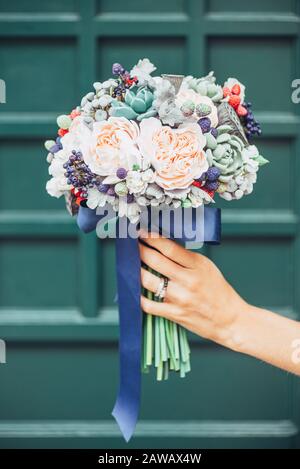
<point x="123" y="111"/>
<point x="129" y="96"/>
<point x="261" y="160"/>
<point x="147" y="114"/>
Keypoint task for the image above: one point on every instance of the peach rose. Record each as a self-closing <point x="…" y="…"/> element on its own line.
<point x="191" y="95"/>
<point x="176" y="154"/>
<point x="112" y="145"/>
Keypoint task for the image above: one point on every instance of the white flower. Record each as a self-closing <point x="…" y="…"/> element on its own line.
<point x="176" y="203"/>
<point x="56" y="168"/>
<point x="170" y="114"/>
<point x="96" y="199"/>
<point x="49" y="158"/>
<point x="135" y="182"/>
<point x="143" y="201"/>
<point x="131" y="211"/>
<point x="148" y="175"/>
<point x="155" y="202"/>
<point x="197" y="196"/>
<point x="74" y="139"/>
<point x="57" y="186"/>
<point x="163" y="91"/>
<point x="155" y="192"/>
<point x="142" y="70"/>
<point x="179" y="194"/>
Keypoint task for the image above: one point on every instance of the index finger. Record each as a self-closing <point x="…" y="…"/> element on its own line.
<point x="169" y="249"/>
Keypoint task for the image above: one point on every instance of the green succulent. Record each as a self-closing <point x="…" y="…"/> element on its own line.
<point x="226" y="153"/>
<point x="206" y="86"/>
<point x="137" y="104"/>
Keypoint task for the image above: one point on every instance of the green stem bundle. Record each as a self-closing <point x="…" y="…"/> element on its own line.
<point x="165" y="344"/>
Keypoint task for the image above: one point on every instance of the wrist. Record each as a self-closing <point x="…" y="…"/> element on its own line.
<point x="234" y="334"/>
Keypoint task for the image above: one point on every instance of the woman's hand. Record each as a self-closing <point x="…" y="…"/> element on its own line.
<point x="198" y="297"/>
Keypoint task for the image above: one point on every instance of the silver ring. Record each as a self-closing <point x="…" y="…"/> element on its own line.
<point x="162" y="288"/>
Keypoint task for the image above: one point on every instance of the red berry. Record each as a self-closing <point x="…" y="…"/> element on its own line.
<point x="226" y="92"/>
<point x="210" y="193"/>
<point x="234" y="101"/>
<point x="77" y="192"/>
<point x="236" y="89"/>
<point x="79" y="200"/>
<point x="241" y="110"/>
<point x="197" y="183"/>
<point x="74" y="113"/>
<point x="62" y="132"/>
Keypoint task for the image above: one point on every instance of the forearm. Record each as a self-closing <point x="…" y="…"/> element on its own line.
<point x="266" y="336"/>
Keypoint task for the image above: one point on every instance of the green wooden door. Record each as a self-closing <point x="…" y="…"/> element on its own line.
<point x="57" y="287"/>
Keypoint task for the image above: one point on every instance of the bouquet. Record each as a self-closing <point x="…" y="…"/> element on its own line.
<point x="139" y="142"/>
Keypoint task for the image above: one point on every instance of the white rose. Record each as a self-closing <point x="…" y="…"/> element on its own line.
<point x="73" y="140"/>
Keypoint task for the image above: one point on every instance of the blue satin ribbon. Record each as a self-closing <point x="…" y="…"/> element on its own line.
<point x="128" y="266"/>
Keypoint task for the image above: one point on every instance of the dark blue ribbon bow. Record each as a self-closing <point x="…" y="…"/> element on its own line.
<point x="128" y="266"/>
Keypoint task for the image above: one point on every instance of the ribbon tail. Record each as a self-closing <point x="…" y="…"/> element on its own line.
<point x="127" y="404"/>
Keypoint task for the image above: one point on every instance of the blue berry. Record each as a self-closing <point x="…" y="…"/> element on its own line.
<point x="205" y="124"/>
<point x="117" y="69"/>
<point x="212" y="186"/>
<point x="213" y="173"/>
<point x="121" y="173"/>
<point x="78" y="173"/>
<point x="103" y="187"/>
<point x="130" y="198"/>
<point x="249" y="122"/>
<point x="58" y="142"/>
<point x="214" y="132"/>
<point x="55" y="148"/>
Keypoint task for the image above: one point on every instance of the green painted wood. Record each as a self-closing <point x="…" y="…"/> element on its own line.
<point x="57" y="287"/>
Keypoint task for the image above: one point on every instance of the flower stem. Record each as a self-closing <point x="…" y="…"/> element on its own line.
<point x="165" y="344"/>
<point x="157" y="342"/>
